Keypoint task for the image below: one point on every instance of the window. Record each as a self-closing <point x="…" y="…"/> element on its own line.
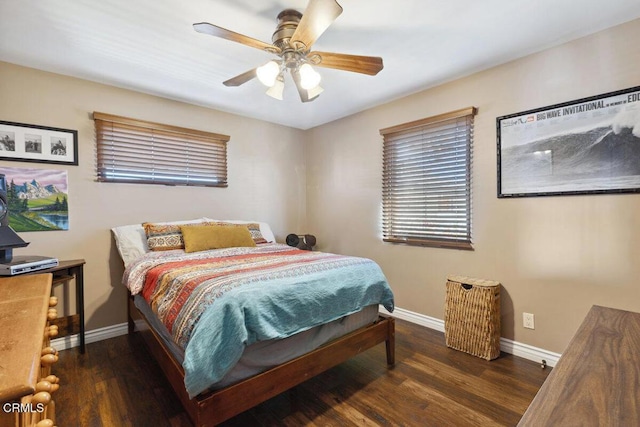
<point x="426" y="190"/>
<point x="137" y="151"/>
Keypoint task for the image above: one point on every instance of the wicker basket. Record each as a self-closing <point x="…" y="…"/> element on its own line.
<point x="472" y="316"/>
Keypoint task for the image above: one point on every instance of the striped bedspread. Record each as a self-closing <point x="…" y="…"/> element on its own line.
<point x="215" y="303"/>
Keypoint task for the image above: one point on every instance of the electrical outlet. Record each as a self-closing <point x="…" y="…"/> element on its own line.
<point x="527" y="321"/>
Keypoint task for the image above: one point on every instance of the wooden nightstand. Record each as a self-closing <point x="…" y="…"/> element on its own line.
<point x="64" y="272"/>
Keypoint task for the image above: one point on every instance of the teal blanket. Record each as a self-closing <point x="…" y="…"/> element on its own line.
<point x="263" y="311"/>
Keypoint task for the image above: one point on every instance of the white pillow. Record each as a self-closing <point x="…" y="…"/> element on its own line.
<point x="131" y="240"/>
<point x="265" y="229"/>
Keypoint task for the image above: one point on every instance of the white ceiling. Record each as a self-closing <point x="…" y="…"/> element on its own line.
<point x="150" y="45"/>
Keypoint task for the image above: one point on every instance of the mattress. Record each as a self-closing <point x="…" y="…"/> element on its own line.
<point x="263" y="355"/>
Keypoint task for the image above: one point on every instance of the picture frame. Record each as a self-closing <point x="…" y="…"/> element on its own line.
<point x="37" y="199"/>
<point x="23" y="142"/>
<point x="586" y="146"/>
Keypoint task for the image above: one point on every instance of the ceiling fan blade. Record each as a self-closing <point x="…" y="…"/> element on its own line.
<point x="241" y="78"/>
<point x="318" y="16"/>
<point x="304" y="94"/>
<point x="370" y="65"/>
<point x="214" y="30"/>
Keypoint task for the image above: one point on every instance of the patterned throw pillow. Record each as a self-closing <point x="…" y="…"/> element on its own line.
<point x="162" y="237"/>
<point x="256" y="235"/>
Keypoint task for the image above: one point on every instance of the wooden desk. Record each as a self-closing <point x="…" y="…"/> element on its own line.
<point x="65" y="271"/>
<point x="597" y="379"/>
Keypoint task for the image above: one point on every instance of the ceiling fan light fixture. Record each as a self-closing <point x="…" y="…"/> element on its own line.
<point x="277" y="90"/>
<point x="268" y="73"/>
<point x="309" y="78"/>
<point x="292" y="41"/>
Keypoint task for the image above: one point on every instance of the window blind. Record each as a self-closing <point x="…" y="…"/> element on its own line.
<point x="426" y="184"/>
<point x="137" y="151"/>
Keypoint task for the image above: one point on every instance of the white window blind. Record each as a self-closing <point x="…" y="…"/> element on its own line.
<point x="426" y="190"/>
<point x="137" y="151"/>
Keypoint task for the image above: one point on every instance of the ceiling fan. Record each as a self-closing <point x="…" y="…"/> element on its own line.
<point x="292" y="41"/>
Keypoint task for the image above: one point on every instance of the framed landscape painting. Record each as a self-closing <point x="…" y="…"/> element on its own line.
<point x="37" y="199"/>
<point x="587" y="146"/>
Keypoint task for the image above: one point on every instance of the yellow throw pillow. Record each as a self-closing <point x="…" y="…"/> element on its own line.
<point x="254" y="229"/>
<point x="204" y="237"/>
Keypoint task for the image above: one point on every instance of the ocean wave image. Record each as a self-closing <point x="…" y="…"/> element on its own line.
<point x="602" y="158"/>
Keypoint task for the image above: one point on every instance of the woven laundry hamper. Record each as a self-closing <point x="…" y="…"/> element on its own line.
<point x="472" y="316"/>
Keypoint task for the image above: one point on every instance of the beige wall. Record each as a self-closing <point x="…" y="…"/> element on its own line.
<point x="266" y="176"/>
<point x="556" y="256"/>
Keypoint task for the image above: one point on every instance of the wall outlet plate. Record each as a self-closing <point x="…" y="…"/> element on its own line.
<point x="528" y="320"/>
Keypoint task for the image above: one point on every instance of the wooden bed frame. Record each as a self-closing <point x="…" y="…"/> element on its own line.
<point x="211" y="408"/>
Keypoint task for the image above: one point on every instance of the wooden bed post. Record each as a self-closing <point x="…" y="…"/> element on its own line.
<point x="130" y="322"/>
<point x="390" y="342"/>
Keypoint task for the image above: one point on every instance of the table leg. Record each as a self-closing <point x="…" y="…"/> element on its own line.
<point x="79" y="276"/>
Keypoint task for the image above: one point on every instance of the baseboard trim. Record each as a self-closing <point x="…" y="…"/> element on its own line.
<point x="93" y="335"/>
<point x="525" y="351"/>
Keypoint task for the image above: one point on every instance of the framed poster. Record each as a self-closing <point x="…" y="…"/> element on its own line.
<point x="587" y="146"/>
<point x="32" y="143"/>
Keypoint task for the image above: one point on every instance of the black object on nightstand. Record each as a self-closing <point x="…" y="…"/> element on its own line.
<point x="305" y="242"/>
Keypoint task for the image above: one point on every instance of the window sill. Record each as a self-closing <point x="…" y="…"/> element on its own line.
<point x="433" y="243"/>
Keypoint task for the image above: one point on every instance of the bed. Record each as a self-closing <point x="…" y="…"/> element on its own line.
<point x="232" y="326"/>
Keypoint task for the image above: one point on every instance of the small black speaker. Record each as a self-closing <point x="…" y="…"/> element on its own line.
<point x="307" y="242"/>
<point x="310" y="240"/>
<point x="292" y="240"/>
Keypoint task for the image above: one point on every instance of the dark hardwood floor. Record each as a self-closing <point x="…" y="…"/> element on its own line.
<point x="117" y="383"/>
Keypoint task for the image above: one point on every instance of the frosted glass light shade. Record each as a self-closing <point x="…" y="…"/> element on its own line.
<point x="309" y="78"/>
<point x="268" y="73"/>
<point x="315" y="91"/>
<point x="276" y="91"/>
